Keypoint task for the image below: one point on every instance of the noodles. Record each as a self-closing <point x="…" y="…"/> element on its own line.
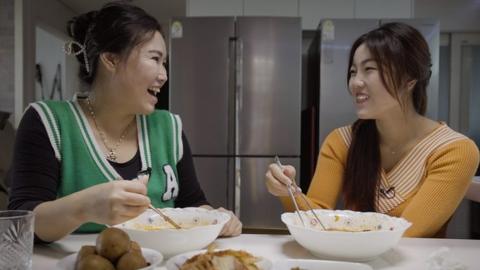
<point x="162" y="226"/>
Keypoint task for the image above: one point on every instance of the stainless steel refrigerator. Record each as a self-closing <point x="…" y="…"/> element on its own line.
<point x="332" y="46"/>
<point x="236" y="83"/>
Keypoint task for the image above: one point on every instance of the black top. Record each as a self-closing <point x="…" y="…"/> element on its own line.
<point x="35" y="174"/>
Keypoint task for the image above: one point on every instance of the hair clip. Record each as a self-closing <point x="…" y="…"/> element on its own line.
<point x="68" y="49"/>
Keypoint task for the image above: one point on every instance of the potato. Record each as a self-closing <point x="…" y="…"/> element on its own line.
<point x="135" y="247"/>
<point x="85" y="251"/>
<point x="93" y="261"/>
<point x="112" y="243"/>
<point x="131" y="261"/>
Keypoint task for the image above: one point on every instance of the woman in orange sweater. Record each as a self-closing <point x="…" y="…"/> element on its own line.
<point x="393" y="159"/>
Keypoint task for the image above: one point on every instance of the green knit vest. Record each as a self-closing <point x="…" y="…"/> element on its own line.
<point x="83" y="164"/>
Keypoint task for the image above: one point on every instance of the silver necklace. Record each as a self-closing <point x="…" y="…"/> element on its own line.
<point x="394" y="151"/>
<point x="112" y="151"/>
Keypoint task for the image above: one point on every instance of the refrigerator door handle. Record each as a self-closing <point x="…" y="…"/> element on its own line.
<point x="238" y="185"/>
<point x="238" y="91"/>
<point x="238" y="109"/>
<point x="232" y="114"/>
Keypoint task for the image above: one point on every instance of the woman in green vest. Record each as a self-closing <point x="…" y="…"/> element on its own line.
<point x="71" y="157"/>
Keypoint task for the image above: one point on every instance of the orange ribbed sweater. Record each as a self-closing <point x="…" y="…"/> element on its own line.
<point x="431" y="180"/>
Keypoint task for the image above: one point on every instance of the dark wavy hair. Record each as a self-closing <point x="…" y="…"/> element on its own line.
<point x="402" y="55"/>
<point x="117" y="28"/>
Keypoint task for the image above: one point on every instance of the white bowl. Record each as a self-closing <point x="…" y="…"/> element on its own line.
<point x="207" y="225"/>
<point x="384" y="233"/>
<point x="151" y="256"/>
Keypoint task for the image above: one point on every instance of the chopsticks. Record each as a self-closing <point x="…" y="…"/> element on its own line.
<point x="165" y="217"/>
<point x="148" y="172"/>
<point x="297" y="209"/>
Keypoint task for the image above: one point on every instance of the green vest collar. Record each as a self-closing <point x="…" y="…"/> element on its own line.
<point x="95" y="150"/>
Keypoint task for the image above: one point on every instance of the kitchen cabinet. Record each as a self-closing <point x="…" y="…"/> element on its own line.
<point x="287" y="8"/>
<point x="381" y="9"/>
<point x="214" y="8"/>
<point x="312" y="11"/>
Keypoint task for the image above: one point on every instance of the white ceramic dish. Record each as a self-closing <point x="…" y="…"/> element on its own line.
<point x="318" y="264"/>
<point x="151" y="256"/>
<point x="170" y="241"/>
<point x="385" y="232"/>
<point x="174" y="263"/>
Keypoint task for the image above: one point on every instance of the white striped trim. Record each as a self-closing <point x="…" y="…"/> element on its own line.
<point x="56" y="131"/>
<point x="145" y="142"/>
<point x="50" y="129"/>
<point x="179" y="137"/>
<point x="141" y="143"/>
<point x="92" y="145"/>
<point x="174" y="137"/>
<point x="346" y="134"/>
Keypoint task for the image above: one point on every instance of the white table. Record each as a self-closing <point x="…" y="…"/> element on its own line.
<point x="411" y="253"/>
<point x="473" y="192"/>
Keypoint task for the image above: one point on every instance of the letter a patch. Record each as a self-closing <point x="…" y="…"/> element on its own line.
<point x="171" y="185"/>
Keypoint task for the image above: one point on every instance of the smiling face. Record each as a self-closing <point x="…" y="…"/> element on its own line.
<point x="141" y="75"/>
<point x="370" y="95"/>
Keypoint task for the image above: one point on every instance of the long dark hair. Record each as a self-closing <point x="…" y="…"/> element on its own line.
<point x="117" y="28"/>
<point x="402" y="55"/>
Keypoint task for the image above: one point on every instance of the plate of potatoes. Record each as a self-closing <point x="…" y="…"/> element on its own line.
<point x="113" y="250"/>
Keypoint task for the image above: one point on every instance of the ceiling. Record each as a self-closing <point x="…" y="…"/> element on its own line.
<point x="163" y="10"/>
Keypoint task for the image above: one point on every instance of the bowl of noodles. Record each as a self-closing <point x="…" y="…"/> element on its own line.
<point x="348" y="235"/>
<point x="199" y="228"/>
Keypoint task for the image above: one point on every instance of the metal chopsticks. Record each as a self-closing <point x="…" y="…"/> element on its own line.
<point x="294" y="186"/>
<point x="148" y="171"/>
<point x="289" y="188"/>
<point x="165" y="217"/>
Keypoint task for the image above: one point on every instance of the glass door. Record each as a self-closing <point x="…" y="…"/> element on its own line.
<point x="465" y="84"/>
<point x="464" y="117"/>
<point x="444" y="78"/>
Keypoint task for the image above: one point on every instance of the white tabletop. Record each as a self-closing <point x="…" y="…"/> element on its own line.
<point x="473" y="192"/>
<point x="411" y="253"/>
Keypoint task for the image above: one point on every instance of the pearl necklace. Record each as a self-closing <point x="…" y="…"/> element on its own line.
<point x="112" y="151"/>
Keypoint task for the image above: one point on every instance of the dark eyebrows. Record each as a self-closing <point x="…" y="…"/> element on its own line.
<point x="156" y="51"/>
<point x="363" y="63"/>
<point x="368" y="60"/>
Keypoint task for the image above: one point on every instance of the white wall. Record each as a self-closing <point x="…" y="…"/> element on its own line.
<point x="52" y="16"/>
<point x="48" y="55"/>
